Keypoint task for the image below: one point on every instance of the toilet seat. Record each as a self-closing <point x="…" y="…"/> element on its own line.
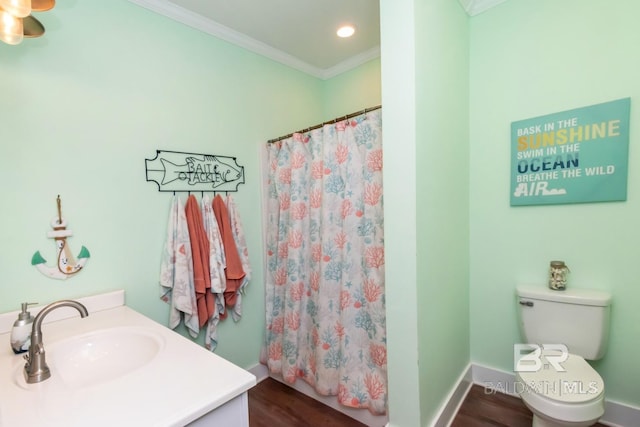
<point x="575" y="395"/>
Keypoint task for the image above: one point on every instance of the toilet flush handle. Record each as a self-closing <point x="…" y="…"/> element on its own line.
<point x="527" y="303"/>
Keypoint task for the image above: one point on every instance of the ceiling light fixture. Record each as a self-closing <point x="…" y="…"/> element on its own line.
<point x="16" y="21"/>
<point x="346" y="31"/>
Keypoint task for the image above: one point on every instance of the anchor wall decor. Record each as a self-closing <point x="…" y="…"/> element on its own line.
<point x="66" y="265"/>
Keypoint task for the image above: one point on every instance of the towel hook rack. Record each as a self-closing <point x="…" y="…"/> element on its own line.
<point x="177" y="171"/>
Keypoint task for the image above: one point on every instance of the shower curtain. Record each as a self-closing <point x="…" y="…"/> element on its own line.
<point x="325" y="307"/>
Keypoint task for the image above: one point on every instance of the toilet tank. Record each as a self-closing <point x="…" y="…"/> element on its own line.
<point x="577" y="318"/>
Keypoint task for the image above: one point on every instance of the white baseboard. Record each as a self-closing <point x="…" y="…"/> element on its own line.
<point x="494" y="379"/>
<point x="260" y="371"/>
<point x="616" y="414"/>
<point x="456" y="396"/>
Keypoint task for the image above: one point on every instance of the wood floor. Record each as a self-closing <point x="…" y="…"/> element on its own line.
<point x="272" y="403"/>
<point x="481" y="409"/>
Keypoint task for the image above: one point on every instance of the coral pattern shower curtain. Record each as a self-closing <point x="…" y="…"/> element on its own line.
<point x="325" y="309"/>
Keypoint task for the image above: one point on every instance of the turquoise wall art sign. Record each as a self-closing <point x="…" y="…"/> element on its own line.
<point x="575" y="156"/>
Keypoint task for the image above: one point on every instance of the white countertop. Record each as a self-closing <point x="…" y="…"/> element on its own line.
<point x="182" y="383"/>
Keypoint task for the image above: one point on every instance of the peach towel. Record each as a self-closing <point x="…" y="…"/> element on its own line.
<point x="233" y="271"/>
<point x="200" y="254"/>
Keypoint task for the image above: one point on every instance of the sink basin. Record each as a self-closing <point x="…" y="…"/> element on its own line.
<point x="115" y="368"/>
<point x="102" y="355"/>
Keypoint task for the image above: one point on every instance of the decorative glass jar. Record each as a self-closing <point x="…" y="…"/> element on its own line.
<point x="558" y="272"/>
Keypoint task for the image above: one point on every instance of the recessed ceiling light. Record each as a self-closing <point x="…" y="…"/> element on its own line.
<point x="346" y="31"/>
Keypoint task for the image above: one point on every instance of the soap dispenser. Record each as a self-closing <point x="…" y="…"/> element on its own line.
<point x="21" y="332"/>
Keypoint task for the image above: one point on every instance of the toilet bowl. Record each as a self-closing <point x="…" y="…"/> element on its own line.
<point x="573" y="397"/>
<point x="560" y="387"/>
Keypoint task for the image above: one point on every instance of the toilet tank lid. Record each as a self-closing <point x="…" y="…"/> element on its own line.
<point x="569" y="296"/>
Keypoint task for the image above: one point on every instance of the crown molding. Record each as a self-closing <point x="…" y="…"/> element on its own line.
<point x="194" y="20"/>
<point x="475" y="7"/>
<point x="351" y="63"/>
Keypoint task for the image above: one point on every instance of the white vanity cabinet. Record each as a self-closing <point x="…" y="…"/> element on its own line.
<point x="233" y="413"/>
<point x="179" y="384"/>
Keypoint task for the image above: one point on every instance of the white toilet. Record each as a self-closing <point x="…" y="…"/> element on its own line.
<point x="578" y="319"/>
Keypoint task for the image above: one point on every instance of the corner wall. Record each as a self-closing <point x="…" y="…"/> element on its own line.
<point x="442" y="94"/>
<point x="425" y="82"/>
<point x="352" y="91"/>
<point x="530" y="59"/>
<point x="397" y="28"/>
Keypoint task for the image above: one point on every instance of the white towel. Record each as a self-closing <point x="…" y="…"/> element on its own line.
<point x="241" y="243"/>
<point x="176" y="271"/>
<point x="217" y="264"/>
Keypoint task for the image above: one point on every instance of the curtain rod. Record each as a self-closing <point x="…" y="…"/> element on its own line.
<point x="318" y="126"/>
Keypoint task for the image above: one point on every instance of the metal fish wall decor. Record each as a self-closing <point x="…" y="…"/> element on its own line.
<point x="182" y="172"/>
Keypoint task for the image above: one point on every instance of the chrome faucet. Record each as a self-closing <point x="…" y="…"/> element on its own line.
<point x="36" y="369"/>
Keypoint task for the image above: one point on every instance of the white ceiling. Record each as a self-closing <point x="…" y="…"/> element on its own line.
<point x="297" y="33"/>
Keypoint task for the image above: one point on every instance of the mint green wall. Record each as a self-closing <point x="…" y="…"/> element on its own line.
<point x="425" y="87"/>
<point x="83" y="106"/>
<point x="399" y="173"/>
<point x="442" y="164"/>
<point x="353" y="90"/>
<point x="530" y="59"/>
